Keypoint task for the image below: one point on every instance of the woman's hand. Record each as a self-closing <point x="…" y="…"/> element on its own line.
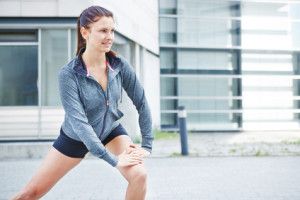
<point x="131" y="156"/>
<point x="144" y="153"/>
<point x="141" y="151"/>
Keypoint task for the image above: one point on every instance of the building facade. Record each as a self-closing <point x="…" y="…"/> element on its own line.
<point x="233" y="64"/>
<point x="38" y="37"/>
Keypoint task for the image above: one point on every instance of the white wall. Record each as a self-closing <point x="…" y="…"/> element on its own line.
<point x="151" y="82"/>
<point x="147" y="68"/>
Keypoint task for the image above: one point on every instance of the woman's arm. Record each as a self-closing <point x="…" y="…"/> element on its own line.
<point x="136" y="93"/>
<point x="77" y="118"/>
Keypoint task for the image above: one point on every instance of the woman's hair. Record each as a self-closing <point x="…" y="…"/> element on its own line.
<point x="88" y="16"/>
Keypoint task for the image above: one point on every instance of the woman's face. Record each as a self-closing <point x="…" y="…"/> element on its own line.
<point x="100" y="35"/>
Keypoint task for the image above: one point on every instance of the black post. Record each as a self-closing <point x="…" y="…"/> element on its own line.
<point x="182" y="130"/>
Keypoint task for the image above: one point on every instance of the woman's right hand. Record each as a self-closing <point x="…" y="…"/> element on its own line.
<point x="131" y="156"/>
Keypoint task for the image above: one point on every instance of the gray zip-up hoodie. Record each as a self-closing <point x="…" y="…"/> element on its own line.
<point x="92" y="113"/>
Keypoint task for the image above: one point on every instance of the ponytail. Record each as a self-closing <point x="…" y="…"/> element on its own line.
<point x="80" y="39"/>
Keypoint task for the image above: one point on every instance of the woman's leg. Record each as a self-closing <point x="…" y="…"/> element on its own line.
<point x="135" y="175"/>
<point x="55" y="166"/>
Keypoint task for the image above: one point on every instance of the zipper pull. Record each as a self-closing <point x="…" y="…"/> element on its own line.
<point x="107" y="102"/>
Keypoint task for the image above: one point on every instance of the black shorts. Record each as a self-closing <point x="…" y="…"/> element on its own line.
<point x="77" y="149"/>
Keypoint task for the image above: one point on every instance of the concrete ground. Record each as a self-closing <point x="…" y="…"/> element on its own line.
<point x="204" y="178"/>
<point x="241" y="166"/>
<point x="267" y="143"/>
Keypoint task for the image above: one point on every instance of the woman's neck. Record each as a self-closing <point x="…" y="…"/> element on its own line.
<point x="94" y="59"/>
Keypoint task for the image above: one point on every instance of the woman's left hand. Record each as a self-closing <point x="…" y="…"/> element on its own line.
<point x="141" y="151"/>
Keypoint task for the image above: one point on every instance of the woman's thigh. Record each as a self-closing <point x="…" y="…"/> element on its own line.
<point x="54" y="167"/>
<point x="117" y="146"/>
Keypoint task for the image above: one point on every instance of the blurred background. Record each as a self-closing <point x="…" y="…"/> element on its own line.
<point x="233" y="64"/>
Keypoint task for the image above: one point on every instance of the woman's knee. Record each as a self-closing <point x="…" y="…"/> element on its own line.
<point x="139" y="175"/>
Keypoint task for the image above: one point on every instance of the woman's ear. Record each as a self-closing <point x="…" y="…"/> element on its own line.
<point x="84" y="32"/>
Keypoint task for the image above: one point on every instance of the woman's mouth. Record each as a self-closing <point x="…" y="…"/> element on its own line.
<point x="107" y="44"/>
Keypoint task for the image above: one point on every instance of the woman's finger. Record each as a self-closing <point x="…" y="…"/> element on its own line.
<point x="133" y="145"/>
<point x="135" y="158"/>
<point x="135" y="161"/>
<point x="140" y="151"/>
<point x="136" y="153"/>
<point x="130" y="149"/>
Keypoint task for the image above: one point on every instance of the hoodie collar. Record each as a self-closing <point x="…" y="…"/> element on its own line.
<point x="114" y="63"/>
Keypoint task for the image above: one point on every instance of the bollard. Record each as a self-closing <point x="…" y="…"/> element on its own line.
<point x="182" y="130"/>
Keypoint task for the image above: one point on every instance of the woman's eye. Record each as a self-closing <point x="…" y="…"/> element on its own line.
<point x="106" y="31"/>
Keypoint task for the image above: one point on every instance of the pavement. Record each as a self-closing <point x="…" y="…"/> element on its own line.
<point x="239" y="165"/>
<point x="177" y="178"/>
<point x="264" y="143"/>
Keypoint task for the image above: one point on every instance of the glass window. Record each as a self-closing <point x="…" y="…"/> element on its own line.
<point x="167" y="30"/>
<point x="295" y="30"/>
<point x="54" y="56"/>
<point x="167" y="88"/>
<point x="265" y="9"/>
<point x="266" y="62"/>
<point x="207" y="32"/>
<point x="272" y="91"/>
<point x="206" y="87"/>
<point x="18" y="35"/>
<point x="201" y="86"/>
<point x="208" y="8"/>
<point x="167" y="59"/>
<point x="210" y="121"/>
<point x="205" y="60"/>
<point x="261" y="34"/>
<point x="256" y="39"/>
<point x="167" y="6"/>
<point x="18" y="75"/>
<point x="168" y="119"/>
<point x="294" y="10"/>
<point x="264" y="23"/>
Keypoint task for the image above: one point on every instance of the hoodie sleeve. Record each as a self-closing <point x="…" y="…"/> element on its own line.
<point x="136" y="93"/>
<point x="75" y="113"/>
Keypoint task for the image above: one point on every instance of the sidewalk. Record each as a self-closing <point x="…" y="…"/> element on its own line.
<point x="179" y="178"/>
<point x="233" y="144"/>
<point x="221" y="166"/>
<point x="200" y="144"/>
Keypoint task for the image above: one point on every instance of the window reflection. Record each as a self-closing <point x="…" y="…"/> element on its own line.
<point x="18" y="76"/>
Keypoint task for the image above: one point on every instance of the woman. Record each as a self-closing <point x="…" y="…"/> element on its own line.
<point x="90" y="89"/>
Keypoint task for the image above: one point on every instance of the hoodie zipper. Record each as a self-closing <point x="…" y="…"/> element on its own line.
<point x="105" y="96"/>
